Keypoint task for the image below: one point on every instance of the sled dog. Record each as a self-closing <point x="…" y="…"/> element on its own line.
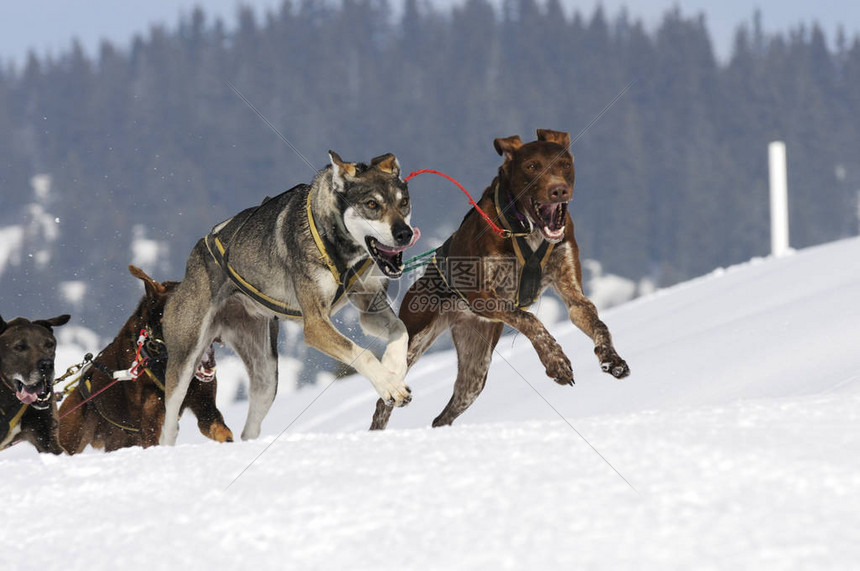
<point x="131" y="412"/>
<point x="480" y="280"/>
<point x="300" y="255"/>
<point x="28" y="409"/>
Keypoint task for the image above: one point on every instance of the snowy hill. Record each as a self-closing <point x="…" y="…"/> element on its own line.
<point x="733" y="444"/>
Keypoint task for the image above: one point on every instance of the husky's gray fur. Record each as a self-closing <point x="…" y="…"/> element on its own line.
<point x="360" y="211"/>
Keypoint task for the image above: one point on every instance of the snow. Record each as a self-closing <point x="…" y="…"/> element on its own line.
<point x="41" y="184"/>
<point x="43" y="227"/>
<point x="40" y="228"/>
<point x="148" y="254"/>
<point x="606" y="290"/>
<point x="11" y="239"/>
<point x="733" y="444"/>
<point x="73" y="292"/>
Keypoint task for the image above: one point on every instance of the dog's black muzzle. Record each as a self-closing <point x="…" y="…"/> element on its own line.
<point x="402" y="234"/>
<point x="151" y="354"/>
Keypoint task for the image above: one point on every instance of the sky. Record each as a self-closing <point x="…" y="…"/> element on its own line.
<point x="48" y="26"/>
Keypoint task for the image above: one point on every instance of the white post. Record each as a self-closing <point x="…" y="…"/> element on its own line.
<point x="858" y="212"/>
<point x="778" y="199"/>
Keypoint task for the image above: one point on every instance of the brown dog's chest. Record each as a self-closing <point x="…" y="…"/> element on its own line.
<point x="517" y="272"/>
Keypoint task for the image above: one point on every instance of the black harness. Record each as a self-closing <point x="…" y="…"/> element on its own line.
<point x="530" y="262"/>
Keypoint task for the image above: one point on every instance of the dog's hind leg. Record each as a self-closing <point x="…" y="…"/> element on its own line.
<point x="255" y="340"/>
<point x="151" y="418"/>
<point x="180" y="368"/>
<point x="187" y="324"/>
<point x="475" y="340"/>
<point x="381" y="415"/>
<point x="201" y="400"/>
<point x="72" y="424"/>
<point x="185" y="344"/>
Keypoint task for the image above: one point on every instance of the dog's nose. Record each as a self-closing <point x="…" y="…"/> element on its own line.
<point x="45" y="366"/>
<point x="402" y="234"/>
<point x="559" y="192"/>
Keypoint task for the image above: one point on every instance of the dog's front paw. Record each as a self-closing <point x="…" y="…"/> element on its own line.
<point x="220" y="433"/>
<point x="611" y="363"/>
<point x="560" y="370"/>
<point x="400" y="397"/>
<point x="53" y="447"/>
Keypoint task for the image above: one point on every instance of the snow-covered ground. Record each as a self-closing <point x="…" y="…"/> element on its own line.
<point x="734" y="444"/>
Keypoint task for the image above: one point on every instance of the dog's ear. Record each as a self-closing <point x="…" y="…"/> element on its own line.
<point x="387" y="163"/>
<point x="152" y="287"/>
<point x="341" y="167"/>
<point x="54" y="321"/>
<point x="508" y="146"/>
<point x="340" y="171"/>
<point x="559" y="137"/>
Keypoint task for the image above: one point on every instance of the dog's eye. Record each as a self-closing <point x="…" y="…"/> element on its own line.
<point x="49" y="344"/>
<point x="405" y="202"/>
<point x="20" y="347"/>
<point x="565" y="166"/>
<point x="532" y="166"/>
<point x="372" y="204"/>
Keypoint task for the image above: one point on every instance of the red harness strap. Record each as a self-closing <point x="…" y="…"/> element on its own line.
<point x="500" y="231"/>
<point x="136" y="370"/>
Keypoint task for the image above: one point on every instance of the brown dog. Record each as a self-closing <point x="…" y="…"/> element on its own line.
<point x="130" y="413"/>
<point x="479" y="281"/>
<point x="28" y="410"/>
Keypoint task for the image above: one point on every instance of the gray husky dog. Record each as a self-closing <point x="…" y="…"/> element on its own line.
<point x="301" y="255"/>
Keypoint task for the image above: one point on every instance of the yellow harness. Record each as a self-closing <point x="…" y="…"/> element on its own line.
<point x="13" y="422"/>
<point x="343" y="277"/>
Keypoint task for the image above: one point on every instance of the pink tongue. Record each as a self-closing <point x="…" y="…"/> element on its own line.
<point x="416" y="234"/>
<point x="25" y="397"/>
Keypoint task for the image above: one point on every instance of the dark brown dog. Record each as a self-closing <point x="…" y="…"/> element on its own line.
<point x="480" y="281"/>
<point x="130" y="413"/>
<point x="28" y="410"/>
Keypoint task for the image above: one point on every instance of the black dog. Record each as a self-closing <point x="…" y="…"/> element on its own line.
<point x="27" y="407"/>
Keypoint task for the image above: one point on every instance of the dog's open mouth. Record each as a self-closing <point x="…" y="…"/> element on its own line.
<point x="207" y="367"/>
<point x="389" y="258"/>
<point x="38" y="396"/>
<point x="551" y="218"/>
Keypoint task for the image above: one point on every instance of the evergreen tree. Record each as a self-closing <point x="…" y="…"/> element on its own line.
<point x="671" y="178"/>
